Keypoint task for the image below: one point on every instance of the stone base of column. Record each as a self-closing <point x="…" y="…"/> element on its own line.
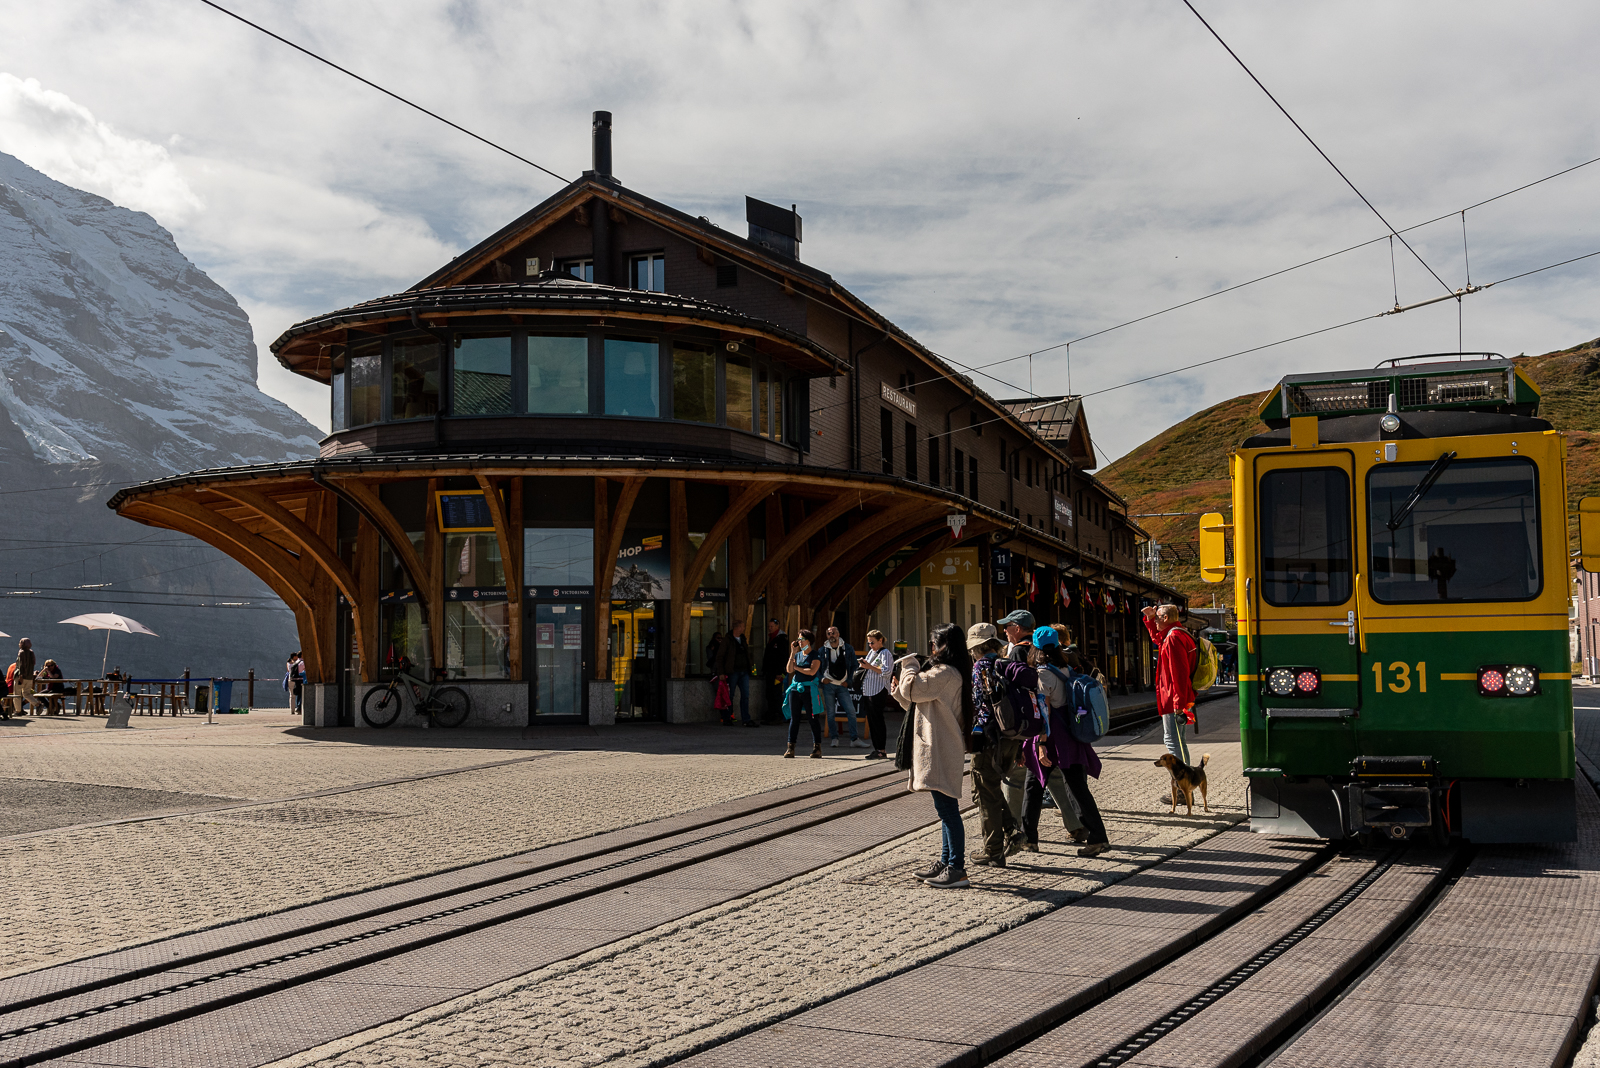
<point x="602" y="703"/>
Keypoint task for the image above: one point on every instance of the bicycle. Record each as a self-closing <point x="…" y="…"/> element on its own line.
<point x="444" y="706"/>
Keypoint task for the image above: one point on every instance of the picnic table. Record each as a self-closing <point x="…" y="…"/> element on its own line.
<point x="87" y="697"/>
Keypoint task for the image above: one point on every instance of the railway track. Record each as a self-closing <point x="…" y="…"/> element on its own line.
<point x="223" y="996"/>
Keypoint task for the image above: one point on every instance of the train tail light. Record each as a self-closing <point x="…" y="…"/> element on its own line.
<point x="1294" y="681"/>
<point x="1307" y="682"/>
<point x="1508" y="680"/>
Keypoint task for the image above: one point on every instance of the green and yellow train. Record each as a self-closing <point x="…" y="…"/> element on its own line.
<point x="1400" y="571"/>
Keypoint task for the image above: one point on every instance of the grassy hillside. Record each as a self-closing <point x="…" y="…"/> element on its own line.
<point x="1185" y="467"/>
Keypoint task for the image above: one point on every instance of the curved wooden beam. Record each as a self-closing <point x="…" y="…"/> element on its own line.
<point x="873" y="556"/>
<point x="369" y="504"/>
<point x="737" y="510"/>
<point x="262" y="558"/>
<point x="852" y="539"/>
<point x="778" y="555"/>
<point x="513" y="574"/>
<point x="311" y="546"/>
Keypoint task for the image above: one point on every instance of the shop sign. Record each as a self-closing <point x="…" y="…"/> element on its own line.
<point x="643" y="570"/>
<point x="952" y="567"/>
<point x="711" y="593"/>
<point x="558" y="591"/>
<point x="475" y="593"/>
<point x="898" y="399"/>
<point x="544" y="635"/>
<point x="1063" y="510"/>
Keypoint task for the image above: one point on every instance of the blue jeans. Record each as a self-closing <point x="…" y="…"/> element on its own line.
<point x="835" y="696"/>
<point x="955" y="832"/>
<point x="1172" y="728"/>
<point x="740" y="681"/>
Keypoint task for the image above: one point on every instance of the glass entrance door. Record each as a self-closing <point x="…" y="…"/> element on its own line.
<point x="638" y="651"/>
<point x="558" y="662"/>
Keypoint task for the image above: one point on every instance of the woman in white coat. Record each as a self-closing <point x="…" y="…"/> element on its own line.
<point x="940" y="699"/>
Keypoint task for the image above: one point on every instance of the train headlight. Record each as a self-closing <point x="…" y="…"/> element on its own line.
<point x="1281" y="681"/>
<point x="1389" y="423"/>
<point x="1508" y="680"/>
<point x="1522" y="681"/>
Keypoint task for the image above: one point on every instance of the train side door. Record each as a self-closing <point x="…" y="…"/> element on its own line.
<point x="1305" y="599"/>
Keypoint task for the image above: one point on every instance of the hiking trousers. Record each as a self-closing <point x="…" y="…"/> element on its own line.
<point x="1077" y="781"/>
<point x="1172" y="727"/>
<point x="1016" y="788"/>
<point x="989" y="767"/>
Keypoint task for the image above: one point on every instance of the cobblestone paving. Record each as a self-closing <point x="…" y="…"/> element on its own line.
<point x="728" y="970"/>
<point x="81" y="890"/>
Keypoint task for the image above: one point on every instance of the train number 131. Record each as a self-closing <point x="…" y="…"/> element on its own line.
<point x="1400" y="677"/>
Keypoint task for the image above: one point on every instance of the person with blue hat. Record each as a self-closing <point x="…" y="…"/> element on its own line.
<point x="1059" y="754"/>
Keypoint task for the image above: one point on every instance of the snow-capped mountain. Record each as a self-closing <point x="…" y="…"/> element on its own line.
<point x="121" y="361"/>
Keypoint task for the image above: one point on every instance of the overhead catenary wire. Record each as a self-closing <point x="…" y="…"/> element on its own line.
<point x="1309" y="140"/>
<point x="386" y="92"/>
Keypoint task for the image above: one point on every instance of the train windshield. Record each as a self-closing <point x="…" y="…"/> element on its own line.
<point x="1472" y="536"/>
<point x="1305" y="536"/>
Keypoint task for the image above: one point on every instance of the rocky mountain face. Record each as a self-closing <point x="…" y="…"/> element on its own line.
<point x="122" y="361"/>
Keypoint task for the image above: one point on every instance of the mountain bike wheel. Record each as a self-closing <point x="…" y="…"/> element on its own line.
<point x="381" y="707"/>
<point x="450" y="706"/>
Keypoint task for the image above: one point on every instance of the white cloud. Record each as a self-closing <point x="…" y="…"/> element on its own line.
<point x="49" y="131"/>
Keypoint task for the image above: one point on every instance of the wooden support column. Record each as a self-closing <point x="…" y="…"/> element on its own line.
<point x="609" y="526"/>
<point x="513" y="574"/>
<point x="369" y="583"/>
<point x="797" y="604"/>
<point x="694" y="570"/>
<point x="432" y="576"/>
<point x="678" y="540"/>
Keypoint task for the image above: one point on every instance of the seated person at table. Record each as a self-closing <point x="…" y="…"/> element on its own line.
<point x="50" y="676"/>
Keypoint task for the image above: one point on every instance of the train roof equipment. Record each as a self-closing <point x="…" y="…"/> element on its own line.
<point x="1450" y="382"/>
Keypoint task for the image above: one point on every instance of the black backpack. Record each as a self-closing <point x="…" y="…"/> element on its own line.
<point x="1011" y="711"/>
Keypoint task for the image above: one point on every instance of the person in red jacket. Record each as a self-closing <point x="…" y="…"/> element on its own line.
<point x="1175" y="662"/>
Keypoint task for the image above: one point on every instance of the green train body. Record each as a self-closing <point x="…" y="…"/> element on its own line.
<point x="1400" y="572"/>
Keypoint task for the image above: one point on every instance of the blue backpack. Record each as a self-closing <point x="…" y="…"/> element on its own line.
<point x="1088" y="714"/>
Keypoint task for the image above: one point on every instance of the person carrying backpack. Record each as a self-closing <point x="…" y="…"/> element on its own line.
<point x="1062" y="750"/>
<point x="1175" y="664"/>
<point x="1003" y="703"/>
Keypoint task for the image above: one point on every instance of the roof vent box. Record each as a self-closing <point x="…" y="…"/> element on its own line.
<point x="773" y="228"/>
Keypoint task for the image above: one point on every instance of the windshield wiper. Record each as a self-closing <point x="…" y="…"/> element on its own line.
<point x="1422" y="489"/>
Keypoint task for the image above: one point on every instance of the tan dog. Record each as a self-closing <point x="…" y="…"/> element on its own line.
<point x="1186" y="778"/>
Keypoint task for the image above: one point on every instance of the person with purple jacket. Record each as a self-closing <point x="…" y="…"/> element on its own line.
<point x="1059" y="749"/>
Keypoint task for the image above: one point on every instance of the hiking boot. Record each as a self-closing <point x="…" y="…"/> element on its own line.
<point x="816" y="751"/>
<point x="1166" y="799"/>
<point x="1015" y="845"/>
<point x="1030" y="847"/>
<point x="984" y="860"/>
<point x="788" y="754"/>
<point x="1081" y="835"/>
<point x="1094" y="850"/>
<point x="950" y="879"/>
<point x="932" y="873"/>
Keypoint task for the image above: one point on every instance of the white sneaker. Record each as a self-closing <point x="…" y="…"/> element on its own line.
<point x="859" y="744"/>
<point x="835" y="742"/>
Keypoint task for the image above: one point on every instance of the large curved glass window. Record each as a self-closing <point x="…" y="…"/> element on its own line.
<point x="633" y="377"/>
<point x="1305" y="536"/>
<point x="366" y="384"/>
<point x="558" y="375"/>
<point x="480" y="366"/>
<point x="414" y="378"/>
<point x="1472" y="536"/>
<point x="694" y="384"/>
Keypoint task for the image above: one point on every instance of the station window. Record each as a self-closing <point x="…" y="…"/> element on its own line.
<point x="633" y="377"/>
<point x="338" y="420"/>
<point x="740" y="392"/>
<point x="777" y="408"/>
<point x="558" y="374"/>
<point x="958" y="469"/>
<point x="366" y="383"/>
<point x="911" y="451"/>
<point x="886" y="440"/>
<point x="972" y="477"/>
<point x="480" y="368"/>
<point x="557" y="556"/>
<point x="763" y="405"/>
<point x="933" y="460"/>
<point x="649" y="272"/>
<point x="694" y="384"/>
<point x="583" y="270"/>
<point x="414" y="378"/>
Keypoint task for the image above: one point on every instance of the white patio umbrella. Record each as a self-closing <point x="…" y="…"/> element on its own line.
<point x="108" y="622"/>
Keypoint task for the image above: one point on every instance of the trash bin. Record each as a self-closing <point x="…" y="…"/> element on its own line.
<point x="202" y="700"/>
<point x="222" y="693"/>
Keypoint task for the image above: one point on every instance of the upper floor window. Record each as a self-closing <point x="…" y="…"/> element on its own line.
<point x="694" y="384"/>
<point x="740" y="390"/>
<point x="649" y="272"/>
<point x="633" y="377"/>
<point x="365" y="370"/>
<point x="583" y="270"/>
<point x="557" y="370"/>
<point x="480" y="366"/>
<point x="338" y="382"/>
<point x="414" y="378"/>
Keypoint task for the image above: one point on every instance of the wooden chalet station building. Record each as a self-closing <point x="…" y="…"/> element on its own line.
<point x="565" y="459"/>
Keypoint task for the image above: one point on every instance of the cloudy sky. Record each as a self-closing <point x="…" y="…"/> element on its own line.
<point x="995" y="178"/>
